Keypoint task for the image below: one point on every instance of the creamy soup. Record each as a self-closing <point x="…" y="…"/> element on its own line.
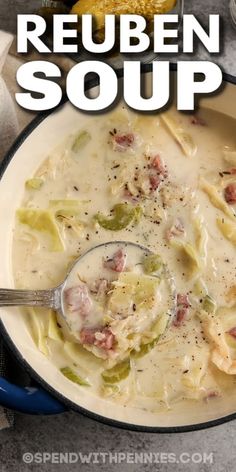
<point x="116" y="310"/>
<point x="168" y="183"/>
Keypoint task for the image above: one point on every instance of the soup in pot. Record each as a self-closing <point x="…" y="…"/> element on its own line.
<point x="166" y="182"/>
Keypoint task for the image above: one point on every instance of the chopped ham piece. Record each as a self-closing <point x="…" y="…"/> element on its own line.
<point x="117" y="262"/>
<point x="158" y="172"/>
<point x="211" y="394"/>
<point x="232" y="332"/>
<point x="180" y="316"/>
<point x="87" y="335"/>
<point x="233" y="171"/>
<point x="176" y="229"/>
<point x="77" y="299"/>
<point x="105" y="339"/>
<point x="154" y="182"/>
<point x="158" y="165"/>
<point x="182" y="299"/>
<point x="183" y="305"/>
<point x="102" y="338"/>
<point x="230" y="194"/>
<point x="122" y="142"/>
<point x="196" y="120"/>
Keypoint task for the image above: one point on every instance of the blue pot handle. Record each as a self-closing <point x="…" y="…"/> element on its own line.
<point x="31" y="400"/>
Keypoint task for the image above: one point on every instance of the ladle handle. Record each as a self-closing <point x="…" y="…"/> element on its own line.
<point x="44" y="298"/>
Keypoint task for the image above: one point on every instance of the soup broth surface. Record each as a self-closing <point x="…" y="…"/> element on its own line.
<point x="167" y="182"/>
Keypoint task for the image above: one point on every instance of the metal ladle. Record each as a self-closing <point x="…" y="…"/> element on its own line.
<point x="54" y="298"/>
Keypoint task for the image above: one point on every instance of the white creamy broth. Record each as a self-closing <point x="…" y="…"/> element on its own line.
<point x="90" y="273"/>
<point x="174" y="177"/>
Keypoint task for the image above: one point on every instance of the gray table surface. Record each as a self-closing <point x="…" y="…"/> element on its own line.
<point x="71" y="432"/>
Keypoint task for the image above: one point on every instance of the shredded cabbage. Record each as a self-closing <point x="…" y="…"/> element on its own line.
<point x="38" y="330"/>
<point x="152" y="263"/>
<point x="200" y="288"/>
<point x="85" y="359"/>
<point x="190" y="255"/>
<point x="228" y="229"/>
<point x="80" y="141"/>
<point x="34" y="184"/>
<point x="208" y="304"/>
<point x="54" y="332"/>
<point x="117" y="373"/>
<point x="42" y="220"/>
<point x="215" y="332"/>
<point x="183" y="139"/>
<point x="74" y="377"/>
<point x="65" y="208"/>
<point x="201" y="237"/>
<point x="108" y="390"/>
<point x="196" y="365"/>
<point x="131" y="288"/>
<point x="157" y="330"/>
<point x="216" y="199"/>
